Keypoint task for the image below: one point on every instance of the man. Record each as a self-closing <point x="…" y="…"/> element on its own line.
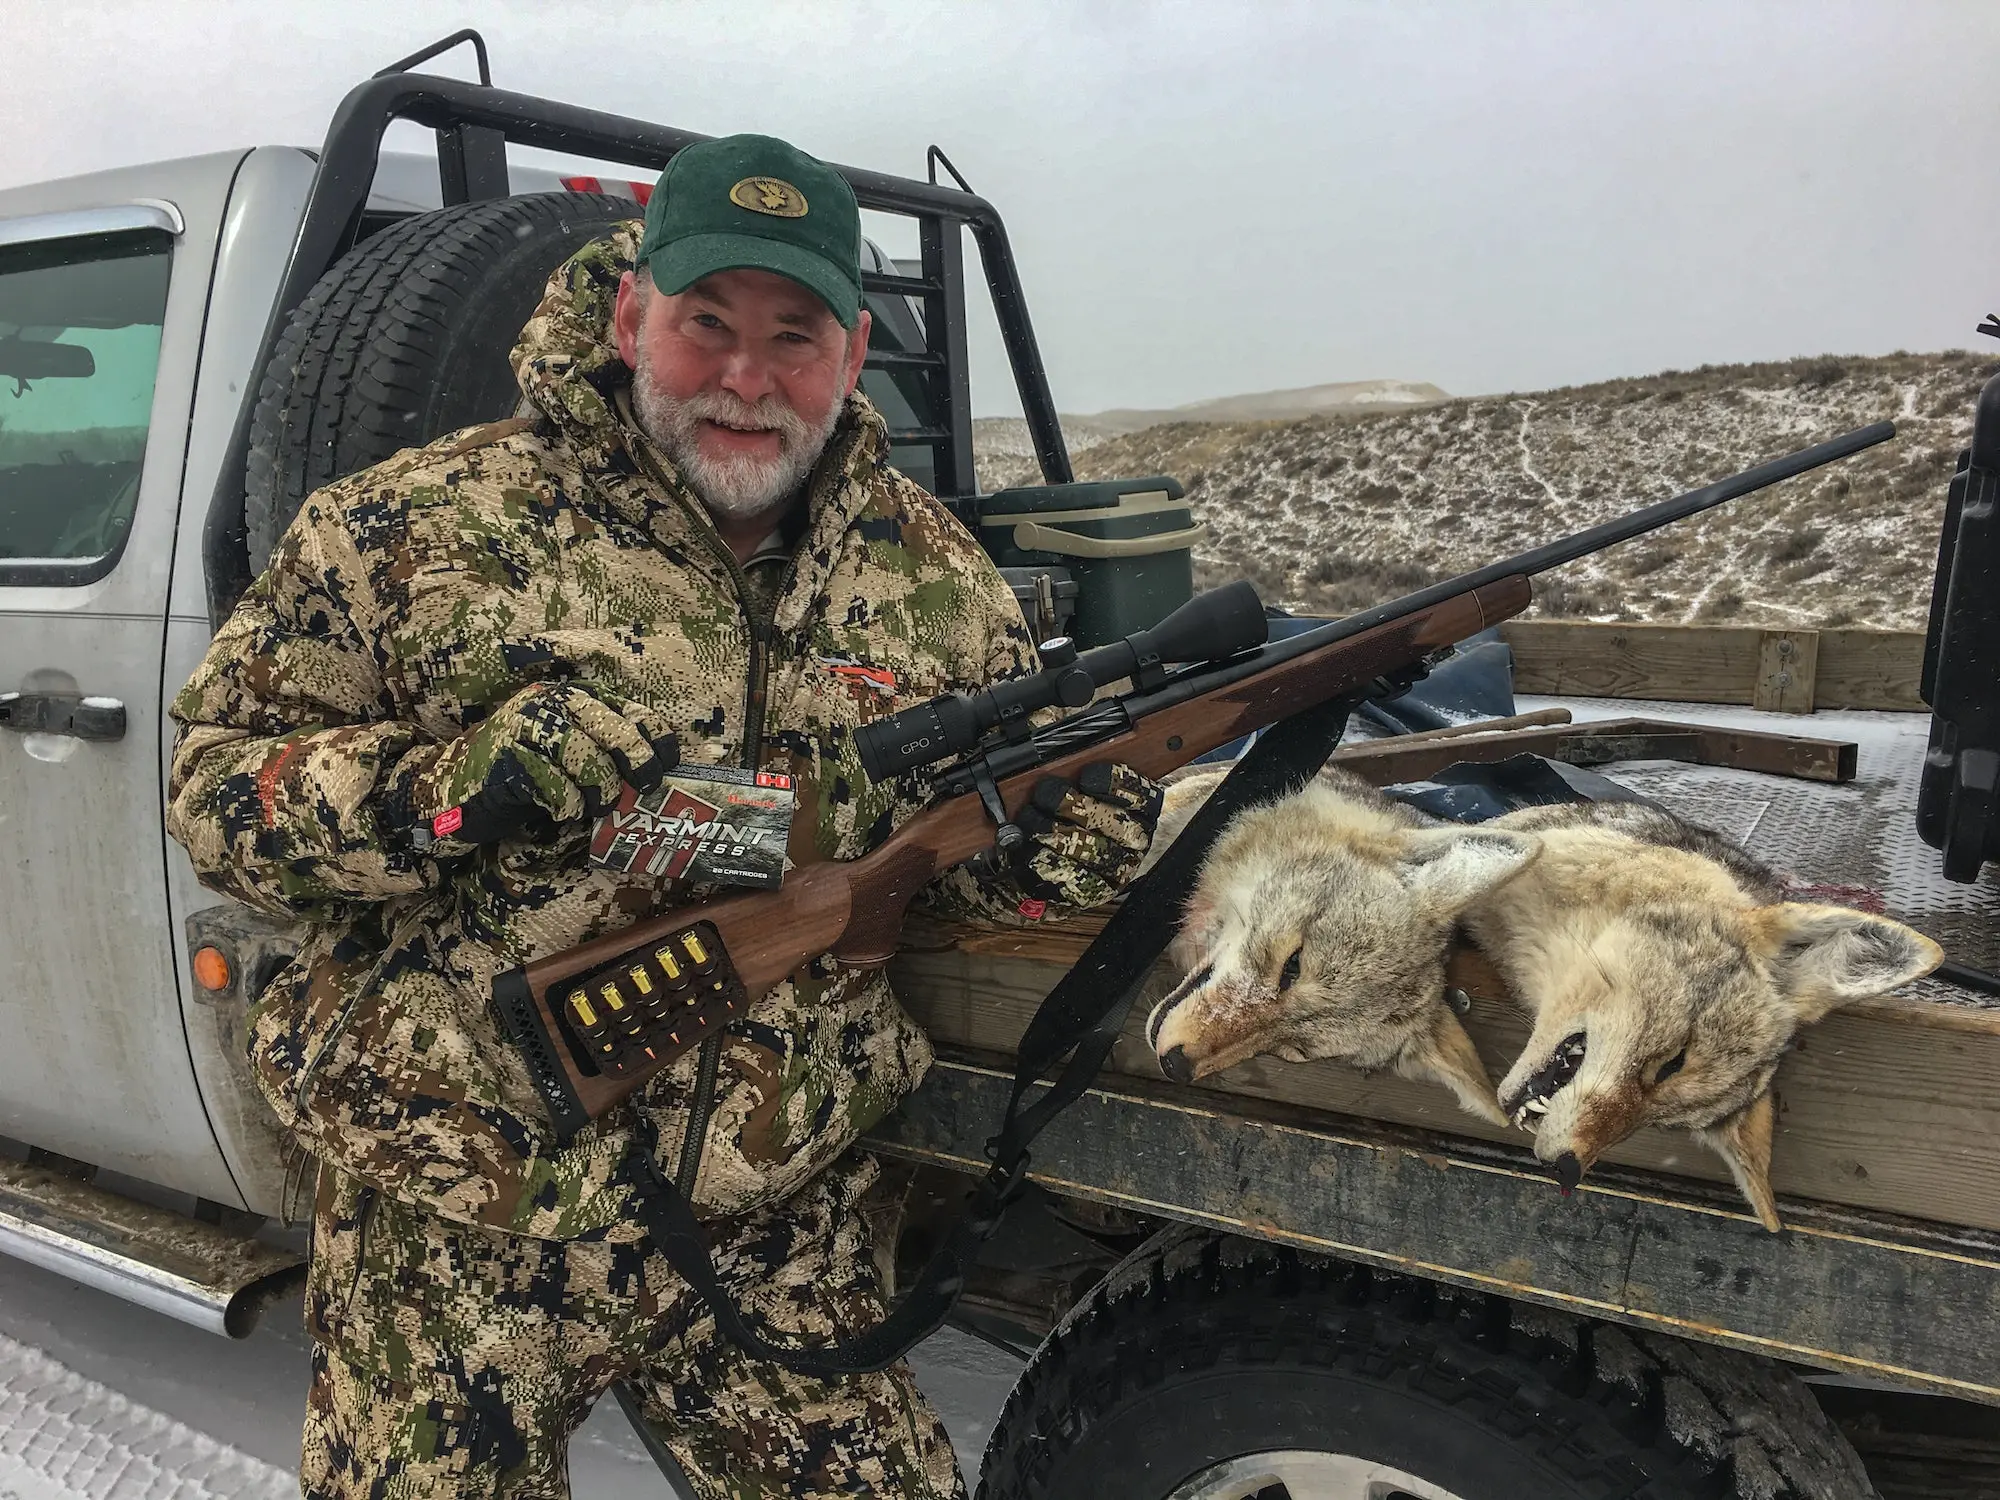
<point x="685" y="548"/>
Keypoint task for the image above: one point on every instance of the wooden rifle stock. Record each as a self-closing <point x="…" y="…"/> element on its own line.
<point x="854" y="909"/>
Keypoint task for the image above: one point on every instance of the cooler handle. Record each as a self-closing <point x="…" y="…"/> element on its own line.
<point x="1032" y="538"/>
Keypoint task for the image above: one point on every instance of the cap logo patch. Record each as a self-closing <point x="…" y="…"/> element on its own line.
<point x="769" y="195"/>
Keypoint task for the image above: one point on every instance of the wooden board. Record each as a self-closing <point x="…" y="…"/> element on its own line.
<point x="1875" y="669"/>
<point x="1892" y="1106"/>
<point x="1786" y="663"/>
<point x="1673" y="663"/>
<point x="1870" y="669"/>
<point x="1877" y="1298"/>
<point x="1398" y="758"/>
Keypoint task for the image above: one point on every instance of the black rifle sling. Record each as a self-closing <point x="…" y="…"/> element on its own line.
<point x="1082" y="1016"/>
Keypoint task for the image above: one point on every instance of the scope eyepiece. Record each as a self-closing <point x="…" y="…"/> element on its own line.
<point x="1209" y="627"/>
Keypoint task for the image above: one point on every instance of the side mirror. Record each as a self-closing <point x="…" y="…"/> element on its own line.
<point x="26" y="359"/>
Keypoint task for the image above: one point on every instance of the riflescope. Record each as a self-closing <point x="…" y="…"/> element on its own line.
<point x="1212" y="626"/>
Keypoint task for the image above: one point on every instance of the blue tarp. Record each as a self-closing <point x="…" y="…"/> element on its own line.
<point x="1471" y="793"/>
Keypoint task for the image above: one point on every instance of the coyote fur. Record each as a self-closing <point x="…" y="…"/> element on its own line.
<point x="1667" y="976"/>
<point x="1664" y="971"/>
<point x="1319" y="927"/>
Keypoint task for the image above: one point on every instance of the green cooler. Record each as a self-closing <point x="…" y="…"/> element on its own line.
<point x="1125" y="541"/>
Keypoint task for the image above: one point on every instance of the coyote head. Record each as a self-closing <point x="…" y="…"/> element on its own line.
<point x="1676" y="1013"/>
<point x="1319" y="927"/>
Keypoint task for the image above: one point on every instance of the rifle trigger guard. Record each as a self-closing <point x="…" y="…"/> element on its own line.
<point x="1007" y="835"/>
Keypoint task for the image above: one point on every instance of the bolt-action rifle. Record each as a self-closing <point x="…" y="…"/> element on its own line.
<point x="598" y="1020"/>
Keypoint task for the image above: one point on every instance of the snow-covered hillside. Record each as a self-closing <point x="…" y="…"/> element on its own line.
<point x="1332" y="513"/>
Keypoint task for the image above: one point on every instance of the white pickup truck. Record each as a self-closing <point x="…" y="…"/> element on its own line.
<point x="187" y="348"/>
<point x="138" y="309"/>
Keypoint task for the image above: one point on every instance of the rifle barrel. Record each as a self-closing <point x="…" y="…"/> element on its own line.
<point x="1189" y="681"/>
<point x="1595" y="539"/>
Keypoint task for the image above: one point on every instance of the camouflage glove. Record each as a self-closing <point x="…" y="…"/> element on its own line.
<point x="551" y="754"/>
<point x="1086" y="837"/>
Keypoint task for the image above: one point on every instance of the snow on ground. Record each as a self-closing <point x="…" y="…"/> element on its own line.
<point x="1333" y="513"/>
<point x="63" y="1436"/>
<point x="101" y="1400"/>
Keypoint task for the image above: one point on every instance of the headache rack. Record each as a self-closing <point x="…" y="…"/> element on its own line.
<point x="474" y="123"/>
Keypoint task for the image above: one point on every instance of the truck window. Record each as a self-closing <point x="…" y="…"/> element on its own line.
<point x="80" y="323"/>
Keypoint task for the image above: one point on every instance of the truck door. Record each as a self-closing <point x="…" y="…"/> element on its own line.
<point x="101" y="312"/>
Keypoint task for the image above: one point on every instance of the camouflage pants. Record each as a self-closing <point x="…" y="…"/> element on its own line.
<point x="455" y="1361"/>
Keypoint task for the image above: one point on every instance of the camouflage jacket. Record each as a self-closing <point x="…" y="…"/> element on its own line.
<point x="408" y="600"/>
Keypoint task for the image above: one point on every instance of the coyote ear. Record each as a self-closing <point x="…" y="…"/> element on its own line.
<point x="1197" y="924"/>
<point x="1450" y="869"/>
<point x="1825" y="956"/>
<point x="1743" y="1141"/>
<point x="1443" y="1053"/>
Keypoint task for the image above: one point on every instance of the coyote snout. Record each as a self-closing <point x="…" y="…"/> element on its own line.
<point x="1667" y="977"/>
<point x="1319" y="927"/>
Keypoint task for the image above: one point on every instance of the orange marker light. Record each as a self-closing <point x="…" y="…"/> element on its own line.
<point x="211" y="968"/>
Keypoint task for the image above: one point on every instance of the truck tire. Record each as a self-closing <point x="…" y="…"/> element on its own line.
<point x="1211" y="1368"/>
<point x="404" y="340"/>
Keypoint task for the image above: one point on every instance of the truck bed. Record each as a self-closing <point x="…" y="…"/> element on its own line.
<point x="1887" y="1161"/>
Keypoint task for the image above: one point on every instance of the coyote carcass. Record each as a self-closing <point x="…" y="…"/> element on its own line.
<point x="1667" y="975"/>
<point x="1319" y="927"/>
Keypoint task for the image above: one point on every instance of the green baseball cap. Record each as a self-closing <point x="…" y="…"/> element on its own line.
<point x="751" y="202"/>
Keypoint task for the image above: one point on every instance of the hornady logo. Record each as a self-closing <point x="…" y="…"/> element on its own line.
<point x="853" y="670"/>
<point x="688" y="826"/>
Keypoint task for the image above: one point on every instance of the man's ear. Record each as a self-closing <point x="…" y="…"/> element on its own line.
<point x="857" y="350"/>
<point x="1449" y="868"/>
<point x="626" y="318"/>
<point x="1743" y="1141"/>
<point x="1826" y="956"/>
<point x="1443" y="1053"/>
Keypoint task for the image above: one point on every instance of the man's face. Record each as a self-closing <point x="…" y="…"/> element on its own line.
<point x="739" y="380"/>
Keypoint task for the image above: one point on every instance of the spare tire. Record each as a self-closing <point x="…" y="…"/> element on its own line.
<point x="404" y="340"/>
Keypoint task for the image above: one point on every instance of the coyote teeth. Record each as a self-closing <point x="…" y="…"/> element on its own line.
<point x="1598" y="939"/>
<point x="1553" y="1079"/>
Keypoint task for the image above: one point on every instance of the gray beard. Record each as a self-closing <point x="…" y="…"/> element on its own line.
<point x="736" y="489"/>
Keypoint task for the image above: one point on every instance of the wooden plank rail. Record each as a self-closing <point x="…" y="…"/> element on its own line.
<point x="1889" y="1106"/>
<point x="1411" y="757"/>
<point x="1786" y="671"/>
<point x="1878" y="1298"/>
<point x="1871" y="669"/>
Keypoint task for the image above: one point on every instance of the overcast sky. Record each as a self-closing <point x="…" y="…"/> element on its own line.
<point x="1209" y="199"/>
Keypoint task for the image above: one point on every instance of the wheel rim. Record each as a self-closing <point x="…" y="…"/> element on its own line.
<point x="1298" y="1474"/>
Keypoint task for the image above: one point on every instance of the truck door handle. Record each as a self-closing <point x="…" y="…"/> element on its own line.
<point x="72" y="714"/>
